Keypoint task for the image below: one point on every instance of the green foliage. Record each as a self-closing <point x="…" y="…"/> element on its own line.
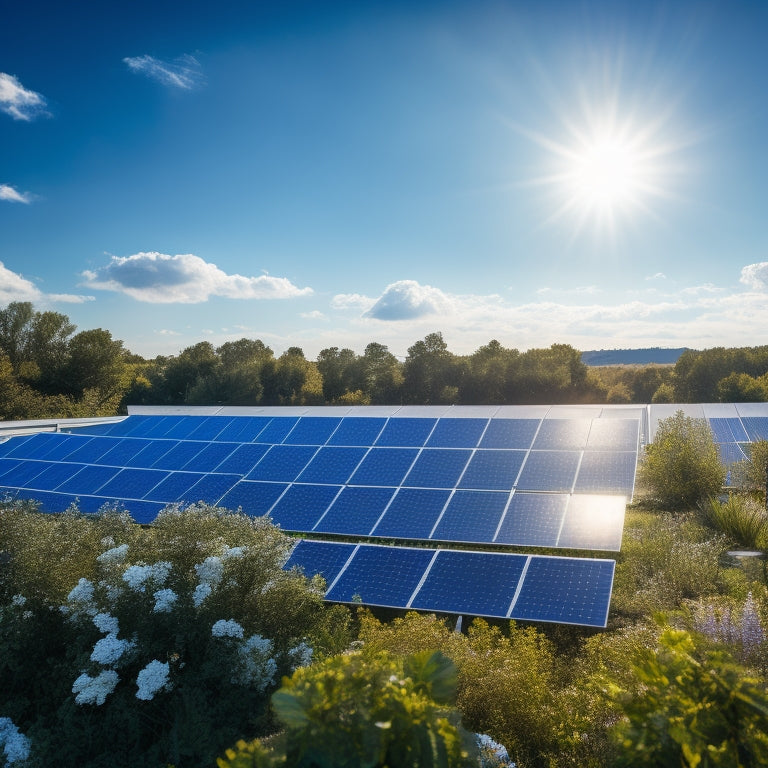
<point x="750" y="474"/>
<point x="740" y="517"/>
<point x="665" y="559"/>
<point x="681" y="466"/>
<point x="695" y="710"/>
<point x="364" y="711"/>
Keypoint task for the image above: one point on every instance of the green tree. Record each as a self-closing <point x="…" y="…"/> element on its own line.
<point x="380" y="375"/>
<point x="15" y="322"/>
<point x="96" y="362"/>
<point x="681" y="466"/>
<point x="340" y="372"/>
<point x="430" y="372"/>
<point x="694" y="711"/>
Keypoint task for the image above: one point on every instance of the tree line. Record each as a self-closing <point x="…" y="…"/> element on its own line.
<point x="49" y="369"/>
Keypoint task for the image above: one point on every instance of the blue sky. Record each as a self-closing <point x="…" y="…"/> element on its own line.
<point x="330" y="174"/>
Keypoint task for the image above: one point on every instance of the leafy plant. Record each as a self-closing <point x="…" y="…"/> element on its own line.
<point x="739" y="517"/>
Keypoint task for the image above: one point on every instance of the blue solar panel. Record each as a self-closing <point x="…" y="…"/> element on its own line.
<point x="533" y="519"/>
<point x="593" y="522"/>
<point x="437" y="468"/>
<point x="493" y="470"/>
<point x="757" y="427"/>
<point x="243" y="459"/>
<point x="243" y="429"/>
<point x="89" y="451"/>
<point x="146" y="426"/>
<point x="614" y="435"/>
<point x="566" y="591"/>
<point x="181" y="454"/>
<point x="144" y="512"/>
<point x="549" y="471"/>
<point x="54" y="475"/>
<point x="312" y="430"/>
<point x="405" y="432"/>
<point x="302" y="506"/>
<point x="173" y="487"/>
<point x="183" y="428"/>
<point x="210" y="428"/>
<point x="33" y="447"/>
<point x="49" y="502"/>
<point x="282" y="463"/>
<point x="729" y="430"/>
<point x="475" y="583"/>
<point x="58" y="444"/>
<point x="7" y="466"/>
<point x="123" y="450"/>
<point x="88" y="480"/>
<point x="457" y="433"/>
<point x="605" y="472"/>
<point x="384" y="466"/>
<point x="355" y="511"/>
<point x="384" y="576"/>
<point x="9" y="444"/>
<point x="357" y="430"/>
<point x="277" y="429"/>
<point x="150" y="453"/>
<point x="510" y="433"/>
<point x="210" y="457"/>
<point x="211" y="488"/>
<point x="562" y="434"/>
<point x="255" y="499"/>
<point x="132" y="483"/>
<point x="471" y="516"/>
<point x="412" y="513"/>
<point x="332" y="464"/>
<point x="25" y="473"/>
<point x="320" y="557"/>
<point x="730" y="453"/>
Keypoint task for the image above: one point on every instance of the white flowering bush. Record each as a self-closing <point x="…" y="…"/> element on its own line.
<point x="165" y="649"/>
<point x="15" y="744"/>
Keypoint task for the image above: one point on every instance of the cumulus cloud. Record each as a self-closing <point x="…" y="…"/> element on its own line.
<point x="19" y="102"/>
<point x="184" y="72"/>
<point x="12" y="195"/>
<point x="407" y="300"/>
<point x="158" y="278"/>
<point x="355" y="301"/>
<point x="316" y="314"/>
<point x="755" y="275"/>
<point x="14" y="287"/>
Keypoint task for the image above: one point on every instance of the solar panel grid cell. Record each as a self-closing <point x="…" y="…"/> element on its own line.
<point x="276" y="430"/>
<point x="210" y="457"/>
<point x="471" y="516"/>
<point x="332" y="464"/>
<point x="493" y="470"/>
<point x="132" y="483"/>
<point x="359" y="431"/>
<point x="320" y="557"/>
<point x="412" y="513"/>
<point x="150" y="453"/>
<point x="88" y="480"/>
<point x="606" y="472"/>
<point x="562" y="434"/>
<point x="210" y="488"/>
<point x="384" y="466"/>
<point x="593" y="522"/>
<point x="179" y="455"/>
<point x="243" y="459"/>
<point x="312" y="431"/>
<point x="173" y="486"/>
<point x="283" y="463"/>
<point x="406" y="433"/>
<point x="533" y="519"/>
<point x="54" y="475"/>
<point x="437" y="468"/>
<point x="255" y="499"/>
<point x="301" y="506"/>
<point x="355" y="511"/>
<point x="510" y="433"/>
<point x="457" y="433"/>
<point x="549" y="471"/>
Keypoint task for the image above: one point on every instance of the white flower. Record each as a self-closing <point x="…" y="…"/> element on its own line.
<point x="107" y="541"/>
<point x="94" y="690"/>
<point x="201" y="592"/>
<point x="301" y="655"/>
<point x="106" y="623"/>
<point x="81" y="593"/>
<point x="109" y="649"/>
<point x="114" y="555"/>
<point x="496" y="750"/>
<point x="151" y="679"/>
<point x="16" y="745"/>
<point x="210" y="571"/>
<point x="257" y="668"/>
<point x="233" y="552"/>
<point x="229" y="628"/>
<point x="18" y="600"/>
<point x="136" y="576"/>
<point x="165" y="599"/>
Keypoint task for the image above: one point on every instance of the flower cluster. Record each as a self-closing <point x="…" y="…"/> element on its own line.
<point x="492" y="753"/>
<point x="15" y="745"/>
<point x="229" y="628"/>
<point x="94" y="690"/>
<point x="257" y="667"/>
<point x="153" y="678"/>
<point x="137" y="576"/>
<point x="740" y="628"/>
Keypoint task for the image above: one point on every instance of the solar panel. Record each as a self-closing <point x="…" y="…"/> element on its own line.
<point x="562" y="434"/>
<point x="122" y="450"/>
<point x="510" y="433"/>
<point x="384" y="466"/>
<point x="406" y="432"/>
<point x="312" y="430"/>
<point x="210" y="428"/>
<point x="606" y="472"/>
<point x="593" y="522"/>
<point x="302" y="506"/>
<point x="412" y="513"/>
<point x="437" y="468"/>
<point x="173" y="487"/>
<point x="277" y="429"/>
<point x="493" y="470"/>
<point x="150" y="453"/>
<point x="355" y="511"/>
<point x="282" y="463"/>
<point x="360" y="431"/>
<point x="210" y="488"/>
<point x="320" y="557"/>
<point x="243" y="459"/>
<point x="457" y="433"/>
<point x="178" y="456"/>
<point x="613" y="435"/>
<point x="549" y="471"/>
<point x="243" y="429"/>
<point x="471" y="516"/>
<point x="332" y="464"/>
<point x="533" y="519"/>
<point x="210" y="457"/>
<point x="756" y="427"/>
<point x="255" y="499"/>
<point x="131" y="483"/>
<point x="53" y="475"/>
<point x="88" y="480"/>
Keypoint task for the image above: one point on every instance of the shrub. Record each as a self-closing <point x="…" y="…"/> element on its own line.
<point x="681" y="467"/>
<point x="750" y="474"/>
<point x="739" y="517"/>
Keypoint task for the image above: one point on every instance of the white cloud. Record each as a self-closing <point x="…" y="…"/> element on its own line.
<point x="407" y="300"/>
<point x="14" y="287"/>
<point x="355" y="301"/>
<point x="657" y="276"/>
<point x="755" y="275"/>
<point x="19" y="102"/>
<point x="158" y="278"/>
<point x="12" y="195"/>
<point x="184" y="72"/>
<point x="316" y="314"/>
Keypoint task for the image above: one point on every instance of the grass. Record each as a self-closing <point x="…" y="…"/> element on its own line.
<point x="739" y="517"/>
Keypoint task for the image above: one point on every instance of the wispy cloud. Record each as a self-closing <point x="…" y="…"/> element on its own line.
<point x="12" y="195"/>
<point x="315" y="314"/>
<point x="15" y="287"/>
<point x="184" y="72"/>
<point x="19" y="102"/>
<point x="158" y="278"/>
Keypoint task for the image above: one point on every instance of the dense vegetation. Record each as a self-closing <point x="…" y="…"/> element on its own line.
<point x="149" y="646"/>
<point x="47" y="369"/>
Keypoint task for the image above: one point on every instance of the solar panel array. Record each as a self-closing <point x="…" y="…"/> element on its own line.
<point x="564" y="590"/>
<point x="527" y="481"/>
<point x="469" y="477"/>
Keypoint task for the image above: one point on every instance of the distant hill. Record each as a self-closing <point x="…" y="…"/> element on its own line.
<point x="657" y="355"/>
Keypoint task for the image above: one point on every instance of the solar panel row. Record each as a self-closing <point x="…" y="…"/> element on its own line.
<point x="532" y="588"/>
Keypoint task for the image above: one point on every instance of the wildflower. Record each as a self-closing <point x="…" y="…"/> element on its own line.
<point x="106" y="623"/>
<point x="151" y="679"/>
<point x="136" y="576"/>
<point x="491" y="752"/>
<point x="81" y="593"/>
<point x="210" y="571"/>
<point x="109" y="649"/>
<point x="114" y="555"/>
<point x="233" y="552"/>
<point x="201" y="592"/>
<point x="165" y="599"/>
<point x="18" y="600"/>
<point x="94" y="690"/>
<point x="15" y="745"/>
<point x="229" y="628"/>
<point x="257" y="668"/>
<point x="752" y="634"/>
<point x="301" y="654"/>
